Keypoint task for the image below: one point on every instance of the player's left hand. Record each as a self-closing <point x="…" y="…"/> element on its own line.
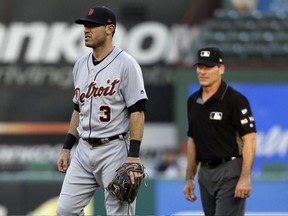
<point x="134" y="175"/>
<point x="243" y="188"/>
<point x="121" y="186"/>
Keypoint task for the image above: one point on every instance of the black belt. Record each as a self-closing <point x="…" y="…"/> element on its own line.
<point x="99" y="141"/>
<point x="217" y="161"/>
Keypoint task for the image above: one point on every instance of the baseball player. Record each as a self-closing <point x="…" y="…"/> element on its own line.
<point x="108" y="118"/>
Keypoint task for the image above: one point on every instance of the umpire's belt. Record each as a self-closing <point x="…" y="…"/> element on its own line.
<point x="99" y="141"/>
<point x="216" y="162"/>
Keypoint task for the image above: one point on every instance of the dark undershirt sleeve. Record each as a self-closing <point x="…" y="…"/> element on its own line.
<point x="138" y="106"/>
<point x="76" y="107"/>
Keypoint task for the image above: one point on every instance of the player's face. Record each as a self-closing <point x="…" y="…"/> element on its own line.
<point x="95" y="35"/>
<point x="208" y="76"/>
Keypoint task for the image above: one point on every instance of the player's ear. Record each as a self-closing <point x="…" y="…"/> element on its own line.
<point x="110" y="29"/>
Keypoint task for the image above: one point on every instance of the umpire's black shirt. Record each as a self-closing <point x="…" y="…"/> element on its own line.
<point x="217" y="125"/>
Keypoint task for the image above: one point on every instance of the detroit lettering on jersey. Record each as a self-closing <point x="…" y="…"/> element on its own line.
<point x="96" y="91"/>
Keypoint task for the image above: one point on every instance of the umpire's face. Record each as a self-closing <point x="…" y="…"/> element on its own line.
<point x="209" y="76"/>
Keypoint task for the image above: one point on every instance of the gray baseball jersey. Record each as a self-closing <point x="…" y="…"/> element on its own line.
<point x="104" y="92"/>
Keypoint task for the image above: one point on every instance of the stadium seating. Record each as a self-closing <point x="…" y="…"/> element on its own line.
<point x="247" y="35"/>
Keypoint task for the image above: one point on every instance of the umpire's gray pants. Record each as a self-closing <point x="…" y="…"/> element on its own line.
<point x="217" y="186"/>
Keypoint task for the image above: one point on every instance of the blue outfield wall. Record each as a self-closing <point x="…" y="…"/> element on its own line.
<point x="160" y="197"/>
<point x="267" y="197"/>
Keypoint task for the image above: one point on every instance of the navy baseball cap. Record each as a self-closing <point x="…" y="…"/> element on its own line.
<point x="210" y="56"/>
<point x="99" y="15"/>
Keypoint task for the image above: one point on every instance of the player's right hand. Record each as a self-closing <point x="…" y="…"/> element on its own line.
<point x="189" y="191"/>
<point x="63" y="161"/>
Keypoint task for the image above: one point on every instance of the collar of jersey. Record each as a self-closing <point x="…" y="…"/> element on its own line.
<point x="94" y="60"/>
<point x="219" y="93"/>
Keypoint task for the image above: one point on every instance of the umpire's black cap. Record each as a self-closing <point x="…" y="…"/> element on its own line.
<point x="99" y="15"/>
<point x="209" y="56"/>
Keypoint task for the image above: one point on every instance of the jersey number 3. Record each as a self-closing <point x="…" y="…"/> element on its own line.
<point x="106" y="110"/>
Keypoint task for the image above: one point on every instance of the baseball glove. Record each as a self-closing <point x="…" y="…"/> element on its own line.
<point x="121" y="187"/>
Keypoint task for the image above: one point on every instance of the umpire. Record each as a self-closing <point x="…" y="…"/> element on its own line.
<point x="221" y="140"/>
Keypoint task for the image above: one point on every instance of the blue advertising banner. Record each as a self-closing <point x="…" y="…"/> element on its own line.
<point x="269" y="108"/>
<point x="170" y="199"/>
<point x="272" y="6"/>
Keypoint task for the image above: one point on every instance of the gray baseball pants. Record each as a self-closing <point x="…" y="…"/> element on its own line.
<point x="91" y="168"/>
<point x="217" y="186"/>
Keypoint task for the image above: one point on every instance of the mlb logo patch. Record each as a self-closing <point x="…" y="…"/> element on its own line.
<point x="216" y="115"/>
<point x="205" y="53"/>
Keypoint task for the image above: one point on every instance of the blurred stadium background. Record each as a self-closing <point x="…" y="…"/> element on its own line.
<point x="39" y="44"/>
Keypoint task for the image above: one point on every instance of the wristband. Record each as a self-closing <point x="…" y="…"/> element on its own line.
<point x="69" y="141"/>
<point x="189" y="178"/>
<point x="134" y="148"/>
